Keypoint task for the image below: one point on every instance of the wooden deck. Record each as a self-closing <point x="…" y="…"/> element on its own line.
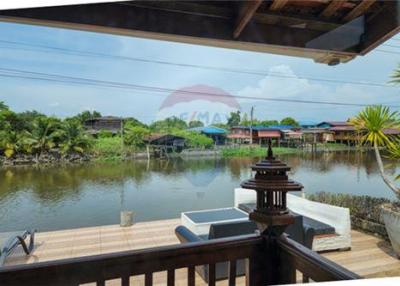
<point x="369" y="257"/>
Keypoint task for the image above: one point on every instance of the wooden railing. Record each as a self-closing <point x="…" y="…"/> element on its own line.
<point x="268" y="261"/>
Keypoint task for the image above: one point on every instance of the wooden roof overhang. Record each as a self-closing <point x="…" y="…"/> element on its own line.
<point x="326" y="31"/>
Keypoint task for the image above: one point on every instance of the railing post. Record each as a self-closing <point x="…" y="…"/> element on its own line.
<point x="287" y="270"/>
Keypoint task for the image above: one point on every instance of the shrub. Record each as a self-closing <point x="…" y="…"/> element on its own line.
<point x="363" y="207"/>
<point x="194" y="139"/>
<point x="108" y="148"/>
<point x="104" y="134"/>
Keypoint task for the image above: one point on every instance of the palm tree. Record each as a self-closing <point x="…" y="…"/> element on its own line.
<point x="12" y="142"/>
<point x="3" y="106"/>
<point x="73" y="138"/>
<point x="44" y="133"/>
<point x="372" y="122"/>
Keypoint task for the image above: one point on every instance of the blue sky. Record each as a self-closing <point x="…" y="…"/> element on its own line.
<point x="65" y="99"/>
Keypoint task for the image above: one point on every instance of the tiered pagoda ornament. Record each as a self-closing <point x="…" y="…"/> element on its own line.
<point x="271" y="184"/>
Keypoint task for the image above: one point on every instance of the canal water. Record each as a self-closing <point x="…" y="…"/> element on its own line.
<point x="53" y="198"/>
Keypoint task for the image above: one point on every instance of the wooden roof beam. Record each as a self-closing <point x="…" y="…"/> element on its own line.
<point x="278" y="5"/>
<point x="246" y="12"/>
<point x="331" y="9"/>
<point x="358" y="10"/>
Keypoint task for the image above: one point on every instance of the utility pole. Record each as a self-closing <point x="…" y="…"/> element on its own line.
<point x="251" y="125"/>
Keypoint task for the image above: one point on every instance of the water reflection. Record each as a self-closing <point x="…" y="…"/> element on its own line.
<point x="93" y="194"/>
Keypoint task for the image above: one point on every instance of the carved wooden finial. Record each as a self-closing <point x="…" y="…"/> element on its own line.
<point x="271" y="183"/>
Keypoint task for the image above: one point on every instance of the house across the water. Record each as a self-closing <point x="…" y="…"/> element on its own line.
<point x="112" y="124"/>
<point x="317" y="135"/>
<point x="260" y="134"/>
<point x="218" y="135"/>
<point x="343" y="131"/>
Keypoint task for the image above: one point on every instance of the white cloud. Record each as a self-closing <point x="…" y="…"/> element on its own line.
<point x="283" y="83"/>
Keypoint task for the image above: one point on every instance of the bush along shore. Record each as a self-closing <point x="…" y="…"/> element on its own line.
<point x="364" y="210"/>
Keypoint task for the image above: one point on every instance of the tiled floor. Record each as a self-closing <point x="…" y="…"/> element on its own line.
<point x="369" y="257"/>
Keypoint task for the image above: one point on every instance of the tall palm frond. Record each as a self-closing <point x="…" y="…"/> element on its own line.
<point x="372" y="122"/>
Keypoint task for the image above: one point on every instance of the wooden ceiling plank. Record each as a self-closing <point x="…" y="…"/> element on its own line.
<point x="278" y="5"/>
<point x="246" y="12"/>
<point x="358" y="10"/>
<point x="331" y="9"/>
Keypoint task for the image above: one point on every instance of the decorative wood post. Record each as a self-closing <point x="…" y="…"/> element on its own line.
<point x="271" y="213"/>
<point x="271" y="184"/>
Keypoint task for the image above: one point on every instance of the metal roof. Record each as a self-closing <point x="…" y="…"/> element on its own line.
<point x="209" y="130"/>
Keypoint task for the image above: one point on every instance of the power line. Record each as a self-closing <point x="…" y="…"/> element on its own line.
<point x="15" y="73"/>
<point x="388" y="52"/>
<point x="186" y="65"/>
<point x="390" y="46"/>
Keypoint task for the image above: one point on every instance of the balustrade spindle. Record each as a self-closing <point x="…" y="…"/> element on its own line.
<point x="211" y="274"/>
<point x="191" y="276"/>
<point x="232" y="273"/>
<point x="148" y="279"/>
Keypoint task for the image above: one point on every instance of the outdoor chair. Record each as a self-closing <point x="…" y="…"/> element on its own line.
<point x="331" y="224"/>
<point x="227" y="229"/>
<point x="9" y="241"/>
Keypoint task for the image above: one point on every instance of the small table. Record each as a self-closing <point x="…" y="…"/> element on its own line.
<point x="199" y="221"/>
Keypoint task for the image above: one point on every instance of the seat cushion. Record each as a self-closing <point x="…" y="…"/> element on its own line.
<point x="219" y="230"/>
<point x="248" y="208"/>
<point x="319" y="227"/>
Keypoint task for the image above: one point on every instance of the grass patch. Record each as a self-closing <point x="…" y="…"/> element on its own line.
<point x="333" y="145"/>
<point x="248" y="151"/>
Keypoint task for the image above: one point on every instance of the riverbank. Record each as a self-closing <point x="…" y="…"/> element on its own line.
<point x="48" y="158"/>
<point x="247" y="151"/>
<point x="112" y="150"/>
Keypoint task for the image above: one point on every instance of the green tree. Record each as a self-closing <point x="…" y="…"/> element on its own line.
<point x="168" y="124"/>
<point x="3" y="106"/>
<point x="44" y="134"/>
<point x="135" y="122"/>
<point x="289" y="121"/>
<point x="73" y="138"/>
<point x="371" y="122"/>
<point x="135" y="136"/>
<point x="269" y="122"/>
<point x="195" y="123"/>
<point x="9" y="143"/>
<point x="234" y="119"/>
<point x="28" y="117"/>
<point x="86" y="115"/>
<point x="221" y="125"/>
<point x="11" y="121"/>
<point x="194" y="139"/>
<point x="12" y="142"/>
